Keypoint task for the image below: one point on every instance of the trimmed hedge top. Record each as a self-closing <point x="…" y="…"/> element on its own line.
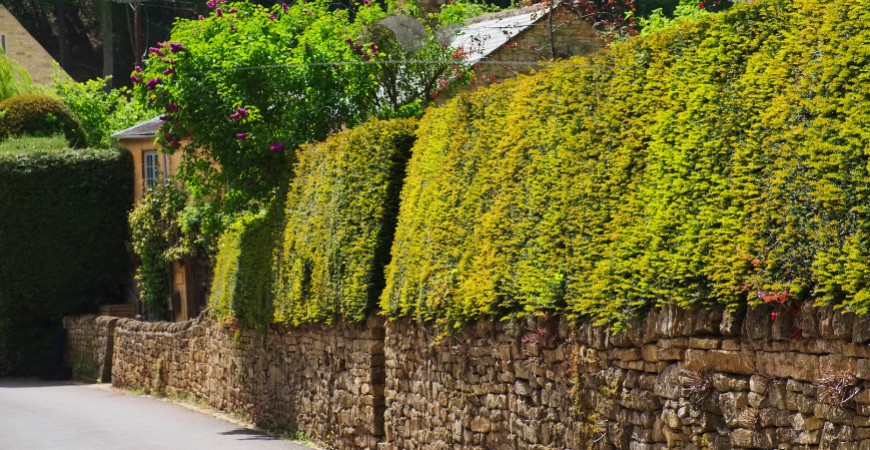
<point x="717" y="162"/>
<point x="40" y="115"/>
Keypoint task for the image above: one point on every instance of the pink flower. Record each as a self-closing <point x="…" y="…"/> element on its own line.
<point x="169" y="71"/>
<point x="277" y="147"/>
<point x="242" y="136"/>
<point x="272" y="16"/>
<point x="176" y="47"/>
<point x="138" y="69"/>
<point x="211" y="4"/>
<point x="155" y="51"/>
<point x="232" y="11"/>
<point x="152" y="83"/>
<point x="166" y="118"/>
<point x="201" y="17"/>
<point x="218" y="12"/>
<point x="172" y="107"/>
<point x="284" y="7"/>
<point x="135" y="79"/>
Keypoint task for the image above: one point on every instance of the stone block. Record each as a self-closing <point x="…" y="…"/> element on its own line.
<point x="719" y="361"/>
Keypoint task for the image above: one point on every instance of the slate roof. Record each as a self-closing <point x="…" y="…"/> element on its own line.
<point x="485" y="34"/>
<point x="146" y="129"/>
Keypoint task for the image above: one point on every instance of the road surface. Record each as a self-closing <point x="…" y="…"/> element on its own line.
<point x="37" y="415"/>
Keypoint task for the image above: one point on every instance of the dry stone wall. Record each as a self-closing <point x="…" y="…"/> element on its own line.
<point x="677" y="379"/>
<point x="765" y="379"/>
<point x="326" y="381"/>
<point x="89" y="344"/>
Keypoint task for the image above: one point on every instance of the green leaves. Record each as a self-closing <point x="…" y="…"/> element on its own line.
<point x="721" y="161"/>
<point x="62" y="243"/>
<point x="319" y="256"/>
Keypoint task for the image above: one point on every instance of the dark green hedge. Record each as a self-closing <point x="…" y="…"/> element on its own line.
<point x="718" y="162"/>
<point x="63" y="230"/>
<point x="321" y="258"/>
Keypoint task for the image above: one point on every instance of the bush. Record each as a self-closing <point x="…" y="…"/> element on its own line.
<point x="101" y="113"/>
<point x="245" y="271"/>
<point x="721" y="161"/>
<point x="340" y="217"/>
<point x="40" y="115"/>
<point x="319" y="255"/>
<point x="62" y="240"/>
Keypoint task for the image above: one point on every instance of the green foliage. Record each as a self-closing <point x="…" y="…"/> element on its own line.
<point x="721" y="161"/>
<point x="686" y="10"/>
<point x="245" y="269"/>
<point x="14" y="79"/>
<point x="457" y="12"/>
<point x="247" y="83"/>
<point x="101" y="113"/>
<point x="167" y="227"/>
<point x="62" y="235"/>
<point x="26" y="144"/>
<point x="39" y="115"/>
<point x="319" y="255"/>
<point x="340" y="216"/>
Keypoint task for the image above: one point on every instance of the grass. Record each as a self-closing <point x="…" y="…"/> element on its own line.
<point x="27" y="144"/>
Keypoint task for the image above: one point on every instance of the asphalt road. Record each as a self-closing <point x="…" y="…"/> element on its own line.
<point x="37" y="415"/>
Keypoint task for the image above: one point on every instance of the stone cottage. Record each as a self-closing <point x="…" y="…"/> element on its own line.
<point x="501" y="45"/>
<point x="20" y="46"/>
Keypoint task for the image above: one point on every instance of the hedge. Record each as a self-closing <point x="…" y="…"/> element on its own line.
<point x="720" y="162"/>
<point x="319" y="255"/>
<point x="340" y="217"/>
<point x="63" y="230"/>
<point x="245" y="270"/>
<point x="40" y="115"/>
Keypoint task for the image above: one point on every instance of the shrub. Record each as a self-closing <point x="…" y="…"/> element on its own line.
<point x="721" y="161"/>
<point x="245" y="270"/>
<point x="40" y="115"/>
<point x="319" y="255"/>
<point x="101" y="113"/>
<point x="62" y="241"/>
<point x="340" y="217"/>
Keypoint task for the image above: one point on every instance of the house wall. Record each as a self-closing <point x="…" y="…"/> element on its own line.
<point x="169" y="164"/>
<point x="676" y="379"/>
<point x="23" y="48"/>
<point x="571" y="37"/>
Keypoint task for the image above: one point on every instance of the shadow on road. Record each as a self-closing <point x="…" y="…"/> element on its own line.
<point x="29" y="383"/>
<point x="252" y="435"/>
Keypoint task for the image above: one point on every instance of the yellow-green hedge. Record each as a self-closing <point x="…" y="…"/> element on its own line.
<point x="320" y="255"/>
<point x="244" y="274"/>
<point x="723" y="161"/>
<point x="340" y="217"/>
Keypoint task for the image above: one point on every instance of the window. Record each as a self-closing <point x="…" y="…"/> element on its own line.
<point x="151" y="166"/>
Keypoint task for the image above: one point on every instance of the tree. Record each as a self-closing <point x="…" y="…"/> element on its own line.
<point x="243" y="87"/>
